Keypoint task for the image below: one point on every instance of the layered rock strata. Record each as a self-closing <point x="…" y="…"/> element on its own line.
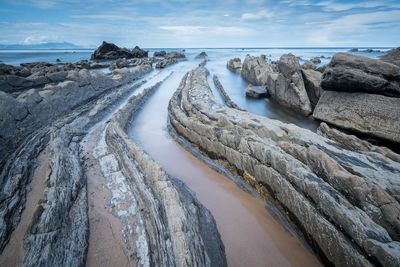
<point x="371" y="114"/>
<point x="59" y="229"/>
<point x="228" y="101"/>
<point x="171" y="228"/>
<point x="344" y="198"/>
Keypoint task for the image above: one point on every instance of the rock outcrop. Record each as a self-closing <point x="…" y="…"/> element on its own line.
<point x="109" y="51"/>
<point x="58" y="232"/>
<point x="161" y="53"/>
<point x="256" y="71"/>
<point x="172" y="226"/>
<point x="370" y="114"/>
<point x="283" y="79"/>
<point x="287" y="86"/>
<point x="169" y="225"/>
<point x="392" y="56"/>
<point x="312" y="83"/>
<point x="53" y="98"/>
<point x="349" y="73"/>
<point x="202" y="55"/>
<point x="228" y="101"/>
<point x="345" y="199"/>
<point x="235" y="65"/>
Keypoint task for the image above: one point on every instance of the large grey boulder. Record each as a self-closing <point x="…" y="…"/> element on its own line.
<point x="370" y="114"/>
<point x="312" y="82"/>
<point x="255" y="70"/>
<point x="235" y="65"/>
<point x="287" y="86"/>
<point x="349" y="73"/>
<point x="283" y="79"/>
<point x="392" y="56"/>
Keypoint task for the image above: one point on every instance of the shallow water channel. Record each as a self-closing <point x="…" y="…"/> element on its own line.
<point x="251" y="234"/>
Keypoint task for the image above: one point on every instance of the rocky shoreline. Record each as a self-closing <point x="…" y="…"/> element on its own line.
<point x="340" y="190"/>
<point x="298" y="168"/>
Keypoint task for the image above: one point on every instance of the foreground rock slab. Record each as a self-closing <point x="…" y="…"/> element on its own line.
<point x="370" y="114"/>
<point x="344" y="198"/>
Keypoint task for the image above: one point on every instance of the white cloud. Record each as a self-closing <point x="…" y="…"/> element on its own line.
<point x="333" y="6"/>
<point x="38" y="39"/>
<point x="260" y="15"/>
<point x="339" y="30"/>
<point x="195" y="30"/>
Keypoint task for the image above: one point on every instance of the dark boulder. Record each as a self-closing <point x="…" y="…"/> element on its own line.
<point x="202" y="55"/>
<point x="139" y="53"/>
<point x="349" y="73"/>
<point x="392" y="56"/>
<point x="159" y="53"/>
<point x="111" y="51"/>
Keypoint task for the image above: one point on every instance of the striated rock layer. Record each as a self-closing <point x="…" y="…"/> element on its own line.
<point x="173" y="228"/>
<point x="344" y="197"/>
<point x="370" y="114"/>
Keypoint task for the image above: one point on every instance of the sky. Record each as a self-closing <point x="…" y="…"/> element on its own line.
<point x="203" y="23"/>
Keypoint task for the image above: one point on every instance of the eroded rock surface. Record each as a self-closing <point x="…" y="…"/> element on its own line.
<point x="283" y="80"/>
<point x="312" y="83"/>
<point x="371" y="114"/>
<point x="171" y="228"/>
<point x="163" y="224"/>
<point x="235" y="65"/>
<point x="344" y="198"/>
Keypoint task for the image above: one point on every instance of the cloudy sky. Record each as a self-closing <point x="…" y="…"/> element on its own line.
<point x="202" y="23"/>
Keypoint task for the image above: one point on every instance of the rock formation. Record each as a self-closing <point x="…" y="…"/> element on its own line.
<point x="361" y="94"/>
<point x="392" y="56"/>
<point x="202" y="55"/>
<point x="370" y="114"/>
<point x="349" y="73"/>
<point x="312" y="83"/>
<point x="110" y="51"/>
<point x="169" y="226"/>
<point x="283" y="79"/>
<point x="224" y="94"/>
<point x="235" y="65"/>
<point x="345" y="199"/>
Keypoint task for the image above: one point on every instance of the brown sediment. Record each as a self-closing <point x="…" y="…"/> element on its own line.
<point x="251" y="235"/>
<point x="13" y="253"/>
<point x="106" y="246"/>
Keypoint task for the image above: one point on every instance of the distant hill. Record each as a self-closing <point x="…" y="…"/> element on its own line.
<point x="52" y="45"/>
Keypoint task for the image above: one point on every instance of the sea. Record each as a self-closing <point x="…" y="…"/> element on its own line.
<point x="233" y="83"/>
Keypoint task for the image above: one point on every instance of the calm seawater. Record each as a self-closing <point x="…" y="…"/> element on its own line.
<point x="16" y="57"/>
<point x="232" y="82"/>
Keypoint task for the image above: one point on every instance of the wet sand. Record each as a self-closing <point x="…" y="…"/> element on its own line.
<point x="252" y="236"/>
<point x="13" y="252"/>
<point x="106" y="245"/>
